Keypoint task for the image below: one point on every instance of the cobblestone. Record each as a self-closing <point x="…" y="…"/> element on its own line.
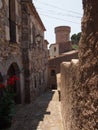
<point x="42" y="114"/>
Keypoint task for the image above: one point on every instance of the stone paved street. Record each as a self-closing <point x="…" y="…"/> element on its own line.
<point x="43" y="114"/>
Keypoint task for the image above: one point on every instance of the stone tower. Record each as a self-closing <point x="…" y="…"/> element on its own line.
<point x="62" y="34"/>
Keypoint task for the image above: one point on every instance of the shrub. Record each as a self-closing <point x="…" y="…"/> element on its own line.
<point x="7" y="103"/>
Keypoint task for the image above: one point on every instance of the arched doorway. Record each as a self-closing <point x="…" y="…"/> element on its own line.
<point x="53" y="79"/>
<point x="1" y="81"/>
<point x="1" y="78"/>
<point x="14" y="70"/>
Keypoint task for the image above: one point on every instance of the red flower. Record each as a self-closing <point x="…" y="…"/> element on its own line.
<point x="2" y="86"/>
<point x="11" y="80"/>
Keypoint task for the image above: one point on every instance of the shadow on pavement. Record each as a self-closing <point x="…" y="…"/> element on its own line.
<point x="28" y="116"/>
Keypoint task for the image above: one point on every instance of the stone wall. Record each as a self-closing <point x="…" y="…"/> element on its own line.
<point x="79" y="104"/>
<point x="34" y="52"/>
<point x="10" y="54"/>
<point x="19" y="48"/>
<point x="68" y="87"/>
<point x="65" y="47"/>
<point x="79" y="88"/>
<point x="88" y="68"/>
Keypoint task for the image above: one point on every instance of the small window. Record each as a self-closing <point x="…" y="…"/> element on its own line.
<point x="35" y="82"/>
<point x="54" y="49"/>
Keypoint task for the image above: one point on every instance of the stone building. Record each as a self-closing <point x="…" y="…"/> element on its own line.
<point x="59" y="52"/>
<point x="63" y="44"/>
<point x="23" y="51"/>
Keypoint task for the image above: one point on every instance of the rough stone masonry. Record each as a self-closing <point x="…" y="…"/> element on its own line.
<point x="79" y="81"/>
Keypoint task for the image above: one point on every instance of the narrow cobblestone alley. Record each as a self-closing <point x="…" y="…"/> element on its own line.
<point x="43" y="114"/>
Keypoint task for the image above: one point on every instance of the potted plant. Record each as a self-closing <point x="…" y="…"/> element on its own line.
<point x="7" y="103"/>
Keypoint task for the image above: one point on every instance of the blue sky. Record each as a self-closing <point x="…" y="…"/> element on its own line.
<point x="55" y="13"/>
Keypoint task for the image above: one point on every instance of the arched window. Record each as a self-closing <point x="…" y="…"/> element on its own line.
<point x="12" y="21"/>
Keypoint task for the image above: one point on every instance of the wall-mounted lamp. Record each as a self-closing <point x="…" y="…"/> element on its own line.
<point x="38" y="38"/>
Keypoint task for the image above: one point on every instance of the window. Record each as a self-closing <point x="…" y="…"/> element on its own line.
<point x="39" y="78"/>
<point x="35" y="85"/>
<point x="12" y="24"/>
<point x="33" y="33"/>
<point x="54" y="49"/>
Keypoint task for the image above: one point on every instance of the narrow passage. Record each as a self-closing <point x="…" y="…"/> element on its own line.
<point x="43" y="114"/>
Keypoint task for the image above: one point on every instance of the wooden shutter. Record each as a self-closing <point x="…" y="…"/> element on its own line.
<point x="12" y="20"/>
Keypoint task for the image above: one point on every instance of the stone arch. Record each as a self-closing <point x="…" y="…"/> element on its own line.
<point x="1" y="78"/>
<point x="1" y="81"/>
<point x="14" y="70"/>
